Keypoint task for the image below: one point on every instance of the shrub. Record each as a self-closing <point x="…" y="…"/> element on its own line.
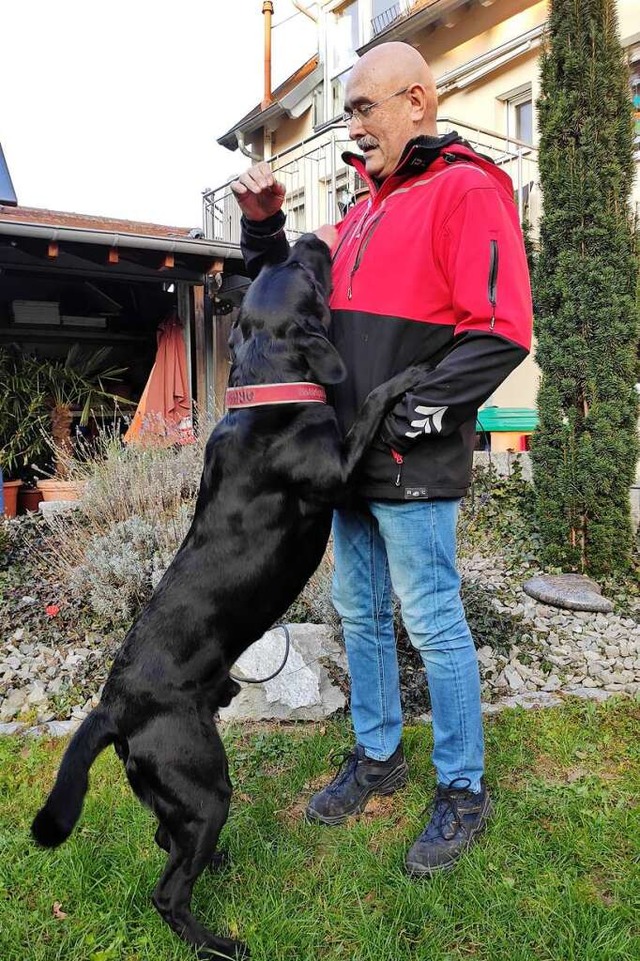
<point x="587" y="322"/>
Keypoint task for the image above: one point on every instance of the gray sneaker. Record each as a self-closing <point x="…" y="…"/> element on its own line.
<point x="457" y="818"/>
<point x="358" y="779"/>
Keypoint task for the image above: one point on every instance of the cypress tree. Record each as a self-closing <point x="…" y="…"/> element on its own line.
<point x="585" y="281"/>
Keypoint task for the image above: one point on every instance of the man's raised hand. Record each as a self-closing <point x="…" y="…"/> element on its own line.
<point x="258" y="193"/>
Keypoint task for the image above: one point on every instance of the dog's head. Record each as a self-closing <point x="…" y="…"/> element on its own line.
<point x="286" y="310"/>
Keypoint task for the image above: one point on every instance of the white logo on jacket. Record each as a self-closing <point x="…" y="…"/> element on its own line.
<point x="431" y="423"/>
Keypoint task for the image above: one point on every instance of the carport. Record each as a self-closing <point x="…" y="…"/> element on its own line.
<point x="69" y="278"/>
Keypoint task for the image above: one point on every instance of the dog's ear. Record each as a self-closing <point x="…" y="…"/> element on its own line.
<point x="323" y="359"/>
<point x="235" y="338"/>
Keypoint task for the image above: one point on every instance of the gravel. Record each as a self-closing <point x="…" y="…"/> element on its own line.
<point x="52" y="670"/>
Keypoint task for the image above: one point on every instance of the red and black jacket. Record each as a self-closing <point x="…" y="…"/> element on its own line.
<point x="430" y="269"/>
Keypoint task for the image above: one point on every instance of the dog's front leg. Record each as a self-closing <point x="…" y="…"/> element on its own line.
<point x="367" y="424"/>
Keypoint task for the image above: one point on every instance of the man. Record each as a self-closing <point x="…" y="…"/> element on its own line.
<point x="429" y="269"/>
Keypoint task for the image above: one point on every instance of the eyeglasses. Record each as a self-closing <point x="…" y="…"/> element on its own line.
<point x="361" y="113"/>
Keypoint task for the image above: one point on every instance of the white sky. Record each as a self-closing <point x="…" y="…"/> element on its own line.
<point x="114" y="108"/>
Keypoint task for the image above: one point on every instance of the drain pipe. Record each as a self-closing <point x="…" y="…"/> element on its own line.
<point x="242" y="147"/>
<point x="267" y="10"/>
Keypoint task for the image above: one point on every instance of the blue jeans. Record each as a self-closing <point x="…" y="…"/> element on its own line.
<point x="412" y="549"/>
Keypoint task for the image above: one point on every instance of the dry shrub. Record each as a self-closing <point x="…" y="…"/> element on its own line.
<point x="135" y="509"/>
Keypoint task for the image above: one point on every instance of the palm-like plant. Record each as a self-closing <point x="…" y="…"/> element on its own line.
<point x="24" y="413"/>
<point x="76" y="383"/>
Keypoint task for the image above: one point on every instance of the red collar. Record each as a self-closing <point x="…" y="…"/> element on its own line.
<point x="259" y="395"/>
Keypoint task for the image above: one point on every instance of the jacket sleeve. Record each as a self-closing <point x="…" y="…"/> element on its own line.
<point x="263" y="242"/>
<point x="481" y="253"/>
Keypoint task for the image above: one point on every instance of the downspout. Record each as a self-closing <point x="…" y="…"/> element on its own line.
<point x="242" y="147"/>
<point x="267" y="10"/>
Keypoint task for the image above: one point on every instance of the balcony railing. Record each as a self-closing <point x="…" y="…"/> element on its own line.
<point x="321" y="187"/>
<point x="386" y="18"/>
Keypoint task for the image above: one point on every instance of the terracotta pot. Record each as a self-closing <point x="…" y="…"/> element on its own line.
<point x="28" y="500"/>
<point x="59" y="490"/>
<point x="10" y="494"/>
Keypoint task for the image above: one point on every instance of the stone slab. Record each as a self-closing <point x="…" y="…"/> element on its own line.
<point x="303" y="690"/>
<point x="571" y="592"/>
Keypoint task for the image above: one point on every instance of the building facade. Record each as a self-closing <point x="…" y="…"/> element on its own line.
<point x="485" y="58"/>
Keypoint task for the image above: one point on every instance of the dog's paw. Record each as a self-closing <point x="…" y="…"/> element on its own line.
<point x="225" y="950"/>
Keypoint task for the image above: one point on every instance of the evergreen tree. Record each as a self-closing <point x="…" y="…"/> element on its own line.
<point x="585" y="283"/>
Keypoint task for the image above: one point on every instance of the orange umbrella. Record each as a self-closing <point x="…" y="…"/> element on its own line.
<point x="164" y="415"/>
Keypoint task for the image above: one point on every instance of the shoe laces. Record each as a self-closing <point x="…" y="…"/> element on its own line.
<point x="347" y="763"/>
<point x="445" y="819"/>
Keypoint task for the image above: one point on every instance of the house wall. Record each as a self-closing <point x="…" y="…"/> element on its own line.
<point x="484" y="103"/>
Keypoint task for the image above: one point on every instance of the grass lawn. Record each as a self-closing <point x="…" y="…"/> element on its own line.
<point x="556" y="877"/>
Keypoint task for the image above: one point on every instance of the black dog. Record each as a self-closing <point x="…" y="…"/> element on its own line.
<point x="259" y="531"/>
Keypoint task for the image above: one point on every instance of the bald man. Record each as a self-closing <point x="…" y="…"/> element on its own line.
<point x="429" y="269"/>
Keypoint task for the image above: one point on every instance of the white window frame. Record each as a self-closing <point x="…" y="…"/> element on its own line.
<point x="513" y="99"/>
<point x="296" y="210"/>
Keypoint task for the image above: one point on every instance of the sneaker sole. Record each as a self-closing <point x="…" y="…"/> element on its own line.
<point x="415" y="869"/>
<point x="394" y="781"/>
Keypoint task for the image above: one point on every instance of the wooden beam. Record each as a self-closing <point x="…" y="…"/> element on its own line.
<point x="201" y="359"/>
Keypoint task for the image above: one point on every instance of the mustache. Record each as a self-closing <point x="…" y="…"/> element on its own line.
<point x="365" y="142"/>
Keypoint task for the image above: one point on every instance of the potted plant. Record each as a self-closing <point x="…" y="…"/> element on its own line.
<point x="74" y="386"/>
<point x="23" y="419"/>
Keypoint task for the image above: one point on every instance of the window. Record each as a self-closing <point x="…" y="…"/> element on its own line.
<point x="519" y="114"/>
<point x="296" y="215"/>
<point x="524" y="120"/>
<point x="345" y="37"/>
<point x="338" y="89"/>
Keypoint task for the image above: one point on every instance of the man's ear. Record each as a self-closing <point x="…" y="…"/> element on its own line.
<point x="323" y="359"/>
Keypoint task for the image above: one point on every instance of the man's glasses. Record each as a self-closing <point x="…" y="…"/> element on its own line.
<point x="361" y="113"/>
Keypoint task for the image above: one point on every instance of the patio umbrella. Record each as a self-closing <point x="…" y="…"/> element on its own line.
<point x="164" y="415"/>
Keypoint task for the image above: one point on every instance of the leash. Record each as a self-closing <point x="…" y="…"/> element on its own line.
<point x="263" y="680"/>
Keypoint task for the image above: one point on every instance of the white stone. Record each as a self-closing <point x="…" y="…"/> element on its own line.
<point x="12" y="704"/>
<point x="304" y="689"/>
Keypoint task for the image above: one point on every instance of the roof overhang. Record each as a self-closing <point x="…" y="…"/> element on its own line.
<point x="407" y="24"/>
<point x="106" y="238"/>
<point x="289" y="101"/>
<point x="81" y="251"/>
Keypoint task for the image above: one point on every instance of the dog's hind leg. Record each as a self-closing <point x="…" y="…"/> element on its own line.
<point x="163" y="838"/>
<point x="180" y="771"/>
<point x="219" y="859"/>
<point x="191" y="852"/>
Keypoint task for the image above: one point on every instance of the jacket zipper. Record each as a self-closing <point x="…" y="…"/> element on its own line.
<point x="364" y="243"/>
<point x="348" y="234"/>
<point x="399" y="459"/>
<point x="493" y="280"/>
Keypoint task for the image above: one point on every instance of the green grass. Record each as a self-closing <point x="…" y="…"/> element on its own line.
<point x="556" y="877"/>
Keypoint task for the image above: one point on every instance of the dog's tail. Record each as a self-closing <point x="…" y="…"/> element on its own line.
<point x="55" y="822"/>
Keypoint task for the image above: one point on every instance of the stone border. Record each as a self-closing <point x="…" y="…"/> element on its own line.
<point x="528" y="701"/>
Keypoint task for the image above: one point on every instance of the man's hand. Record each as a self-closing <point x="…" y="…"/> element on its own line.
<point x="258" y="193"/>
<point x="328" y="234"/>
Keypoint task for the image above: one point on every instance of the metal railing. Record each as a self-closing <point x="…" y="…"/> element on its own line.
<point x="386" y="18"/>
<point x="321" y="187"/>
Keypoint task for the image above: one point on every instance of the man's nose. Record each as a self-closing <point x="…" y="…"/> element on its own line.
<point x="355" y="128"/>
